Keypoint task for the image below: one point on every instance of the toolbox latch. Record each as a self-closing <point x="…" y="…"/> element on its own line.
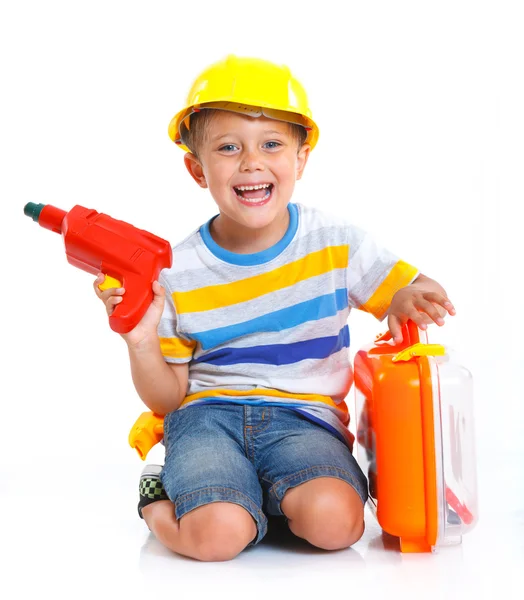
<point x="419" y="350"/>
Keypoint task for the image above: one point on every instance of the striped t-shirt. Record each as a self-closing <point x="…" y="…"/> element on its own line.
<point x="270" y="328"/>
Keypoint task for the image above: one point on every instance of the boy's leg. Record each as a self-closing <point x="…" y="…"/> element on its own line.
<point x="303" y="505"/>
<point x="312" y="478"/>
<point x="215" y="501"/>
<point x="212" y="532"/>
<point x="327" y="512"/>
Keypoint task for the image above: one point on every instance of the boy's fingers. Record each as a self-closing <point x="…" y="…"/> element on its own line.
<point x="111" y="303"/>
<point x="443" y="301"/>
<point x="158" y="289"/>
<point x="158" y="299"/>
<point x="450" y="308"/>
<point x="96" y="283"/>
<point x="418" y="319"/>
<point x="395" y="328"/>
<point x="106" y="294"/>
<point x="430" y="309"/>
<point x="435" y="297"/>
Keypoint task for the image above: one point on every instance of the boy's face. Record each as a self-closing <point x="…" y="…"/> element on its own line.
<point x="240" y="152"/>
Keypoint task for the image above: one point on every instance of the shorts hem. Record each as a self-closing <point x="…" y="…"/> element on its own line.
<point x="279" y="489"/>
<point x="209" y="495"/>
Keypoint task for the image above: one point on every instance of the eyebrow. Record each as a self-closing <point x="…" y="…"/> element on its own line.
<point x="266" y="132"/>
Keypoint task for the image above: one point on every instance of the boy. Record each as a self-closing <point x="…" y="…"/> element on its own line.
<point x="244" y="348"/>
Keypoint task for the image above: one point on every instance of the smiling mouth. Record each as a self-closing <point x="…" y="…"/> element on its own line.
<point x="254" y="194"/>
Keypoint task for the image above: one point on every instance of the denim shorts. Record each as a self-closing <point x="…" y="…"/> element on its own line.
<point x="249" y="455"/>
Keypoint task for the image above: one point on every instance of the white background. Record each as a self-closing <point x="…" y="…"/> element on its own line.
<point x="420" y="108"/>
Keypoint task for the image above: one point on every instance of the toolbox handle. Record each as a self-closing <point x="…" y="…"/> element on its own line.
<point x="410" y="335"/>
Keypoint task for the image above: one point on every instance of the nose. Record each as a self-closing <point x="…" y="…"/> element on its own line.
<point x="251" y="161"/>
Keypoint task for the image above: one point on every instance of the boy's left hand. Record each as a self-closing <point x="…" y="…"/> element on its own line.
<point x="414" y="303"/>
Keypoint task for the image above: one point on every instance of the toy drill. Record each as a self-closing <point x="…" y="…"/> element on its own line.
<point x="129" y="257"/>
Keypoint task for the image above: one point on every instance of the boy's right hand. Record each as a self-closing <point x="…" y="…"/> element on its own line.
<point x="146" y="330"/>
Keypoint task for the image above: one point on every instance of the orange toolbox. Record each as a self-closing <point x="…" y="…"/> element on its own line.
<point x="415" y="440"/>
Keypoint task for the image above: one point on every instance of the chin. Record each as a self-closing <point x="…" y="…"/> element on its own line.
<point x="258" y="221"/>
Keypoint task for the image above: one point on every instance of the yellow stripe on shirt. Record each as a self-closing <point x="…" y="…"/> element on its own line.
<point x="217" y="393"/>
<point x="176" y="347"/>
<point x="219" y="296"/>
<point x="401" y="274"/>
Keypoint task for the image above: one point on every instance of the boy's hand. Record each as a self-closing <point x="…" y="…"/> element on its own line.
<point x="418" y="305"/>
<point x="146" y="330"/>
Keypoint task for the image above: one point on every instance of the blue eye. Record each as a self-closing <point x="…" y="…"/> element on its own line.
<point x="228" y="148"/>
<point x="272" y="145"/>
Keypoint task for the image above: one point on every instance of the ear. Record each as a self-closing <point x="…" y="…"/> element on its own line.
<point x="302" y="158"/>
<point x="194" y="166"/>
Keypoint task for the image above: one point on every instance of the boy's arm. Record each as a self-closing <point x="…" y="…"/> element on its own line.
<point x="424" y="301"/>
<point x="161" y="386"/>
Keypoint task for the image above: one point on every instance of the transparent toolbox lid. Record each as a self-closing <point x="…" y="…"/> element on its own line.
<point x="454" y="448"/>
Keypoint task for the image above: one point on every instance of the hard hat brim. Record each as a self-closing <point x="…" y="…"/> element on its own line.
<point x="245" y="109"/>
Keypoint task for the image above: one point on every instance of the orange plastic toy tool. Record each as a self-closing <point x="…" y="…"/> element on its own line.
<point x="97" y="243"/>
<point x="415" y="440"/>
<point x="147" y="431"/>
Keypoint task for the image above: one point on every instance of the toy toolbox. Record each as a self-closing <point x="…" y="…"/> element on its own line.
<point x="415" y="440"/>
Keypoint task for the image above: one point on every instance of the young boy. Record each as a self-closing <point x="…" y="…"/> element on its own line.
<point x="244" y="348"/>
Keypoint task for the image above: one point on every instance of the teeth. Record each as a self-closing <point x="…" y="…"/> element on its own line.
<point x="247" y="188"/>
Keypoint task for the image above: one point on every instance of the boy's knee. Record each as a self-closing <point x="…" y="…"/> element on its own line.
<point x="327" y="513"/>
<point x="218" y="531"/>
<point x="335" y="532"/>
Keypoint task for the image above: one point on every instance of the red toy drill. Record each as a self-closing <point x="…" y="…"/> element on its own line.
<point x="97" y="243"/>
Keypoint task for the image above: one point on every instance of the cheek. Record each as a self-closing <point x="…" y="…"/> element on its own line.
<point x="286" y="170"/>
<point x="220" y="174"/>
<point x="219" y="184"/>
<point x="293" y="172"/>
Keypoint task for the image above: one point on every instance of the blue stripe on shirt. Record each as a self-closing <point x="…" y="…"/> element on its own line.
<point x="310" y="310"/>
<point x="279" y="354"/>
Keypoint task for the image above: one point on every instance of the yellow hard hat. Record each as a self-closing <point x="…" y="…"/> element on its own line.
<point x="249" y="86"/>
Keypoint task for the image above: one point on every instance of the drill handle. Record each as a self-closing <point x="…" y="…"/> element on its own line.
<point x="135" y="302"/>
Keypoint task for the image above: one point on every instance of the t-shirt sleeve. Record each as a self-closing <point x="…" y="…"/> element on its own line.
<point x="175" y="347"/>
<point x="374" y="274"/>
